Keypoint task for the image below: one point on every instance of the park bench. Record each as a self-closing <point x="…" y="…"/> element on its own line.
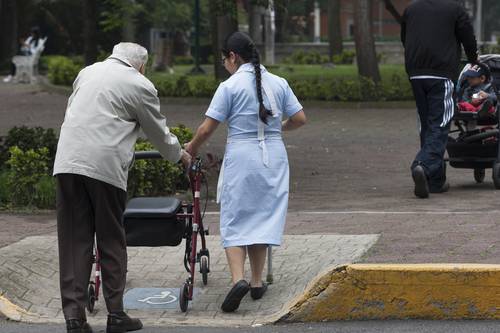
<point x="27" y="66"/>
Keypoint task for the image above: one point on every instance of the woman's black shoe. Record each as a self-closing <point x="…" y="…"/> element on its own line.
<point x="78" y="326"/>
<point x="235" y="295"/>
<point x="120" y="322"/>
<point x="258" y="292"/>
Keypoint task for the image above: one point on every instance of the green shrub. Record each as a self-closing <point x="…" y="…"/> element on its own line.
<point x="165" y="86"/>
<point x="28" y="138"/>
<point x="4" y="188"/>
<point x="158" y="177"/>
<point x="345" y="58"/>
<point x="203" y="86"/>
<point x="27" y="168"/>
<point x="63" y="70"/>
<point x="302" y="57"/>
<point x="183" y="133"/>
<point x="183" y="60"/>
<point x="45" y="192"/>
<point x="182" y="88"/>
<point x="152" y="177"/>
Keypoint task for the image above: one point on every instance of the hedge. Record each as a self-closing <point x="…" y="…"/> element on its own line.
<point x="26" y="175"/>
<point x="317" y="86"/>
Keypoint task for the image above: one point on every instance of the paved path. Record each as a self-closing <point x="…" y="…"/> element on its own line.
<point x="29" y="278"/>
<point x="349" y="161"/>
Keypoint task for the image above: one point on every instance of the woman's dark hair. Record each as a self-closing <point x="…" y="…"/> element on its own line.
<point x="242" y="45"/>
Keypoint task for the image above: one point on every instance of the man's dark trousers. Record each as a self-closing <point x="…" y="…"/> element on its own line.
<point x="436" y="105"/>
<point x="85" y="207"/>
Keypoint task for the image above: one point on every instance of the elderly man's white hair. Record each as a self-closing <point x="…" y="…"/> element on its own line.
<point x="134" y="53"/>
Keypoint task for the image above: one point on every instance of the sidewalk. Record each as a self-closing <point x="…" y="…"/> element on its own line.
<point x="30" y="290"/>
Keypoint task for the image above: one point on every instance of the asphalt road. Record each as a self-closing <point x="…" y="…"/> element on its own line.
<point x="413" y="326"/>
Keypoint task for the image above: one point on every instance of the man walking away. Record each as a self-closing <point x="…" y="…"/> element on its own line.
<point x="432" y="33"/>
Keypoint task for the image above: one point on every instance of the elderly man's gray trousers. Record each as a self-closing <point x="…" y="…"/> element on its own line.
<point x="88" y="207"/>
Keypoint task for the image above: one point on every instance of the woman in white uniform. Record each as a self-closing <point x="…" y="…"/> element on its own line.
<point x="254" y="180"/>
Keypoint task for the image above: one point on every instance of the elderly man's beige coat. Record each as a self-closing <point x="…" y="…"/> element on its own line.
<point x="111" y="102"/>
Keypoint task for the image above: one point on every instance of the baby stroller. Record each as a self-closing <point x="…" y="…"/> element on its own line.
<point x="474" y="142"/>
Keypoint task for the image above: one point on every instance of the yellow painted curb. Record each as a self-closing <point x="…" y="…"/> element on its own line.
<point x="377" y="291"/>
<point x="12" y="311"/>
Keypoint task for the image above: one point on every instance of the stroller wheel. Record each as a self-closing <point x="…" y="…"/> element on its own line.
<point x="496" y="175"/>
<point x="204" y="270"/>
<point x="91" y="297"/>
<point x="479" y="175"/>
<point x="184" y="297"/>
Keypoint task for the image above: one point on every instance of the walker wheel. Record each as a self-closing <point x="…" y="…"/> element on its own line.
<point x="184" y="297"/>
<point x="479" y="175"/>
<point x="496" y="175"/>
<point x="91" y="297"/>
<point x="204" y="270"/>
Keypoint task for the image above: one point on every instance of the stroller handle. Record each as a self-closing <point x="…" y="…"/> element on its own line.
<point x="147" y="155"/>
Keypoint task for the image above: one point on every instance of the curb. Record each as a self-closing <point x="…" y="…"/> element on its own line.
<point x="11" y="311"/>
<point x="421" y="291"/>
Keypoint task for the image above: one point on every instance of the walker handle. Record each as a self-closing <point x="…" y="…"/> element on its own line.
<point x="147" y="155"/>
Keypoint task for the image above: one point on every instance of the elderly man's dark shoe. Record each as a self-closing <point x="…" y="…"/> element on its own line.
<point x="78" y="326"/>
<point x="120" y="322"/>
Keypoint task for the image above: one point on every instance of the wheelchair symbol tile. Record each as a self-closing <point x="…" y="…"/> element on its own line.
<point x="153" y="298"/>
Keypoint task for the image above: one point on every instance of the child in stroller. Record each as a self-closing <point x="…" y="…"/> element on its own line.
<point x="474" y="141"/>
<point x="478" y="95"/>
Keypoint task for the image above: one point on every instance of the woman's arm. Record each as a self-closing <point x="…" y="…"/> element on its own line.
<point x="204" y="132"/>
<point x="297" y="120"/>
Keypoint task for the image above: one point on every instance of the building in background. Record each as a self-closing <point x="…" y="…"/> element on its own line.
<point x="385" y="26"/>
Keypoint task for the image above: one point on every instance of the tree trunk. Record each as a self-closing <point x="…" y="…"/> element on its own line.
<point x="255" y="23"/>
<point x="90" y="31"/>
<point x="365" y="43"/>
<point x="270" y="31"/>
<point x="8" y="26"/>
<point x="281" y="20"/>
<point x="334" y="29"/>
<point x="224" y="22"/>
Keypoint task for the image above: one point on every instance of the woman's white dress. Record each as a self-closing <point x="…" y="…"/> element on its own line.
<point x="254" y="180"/>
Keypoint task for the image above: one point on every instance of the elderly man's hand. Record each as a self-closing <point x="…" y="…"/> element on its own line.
<point x="190" y="148"/>
<point x="186" y="159"/>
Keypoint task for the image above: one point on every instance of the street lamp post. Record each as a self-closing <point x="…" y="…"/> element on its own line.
<point x="197" y="68"/>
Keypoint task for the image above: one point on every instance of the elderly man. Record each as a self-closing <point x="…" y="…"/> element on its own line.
<point x="111" y="101"/>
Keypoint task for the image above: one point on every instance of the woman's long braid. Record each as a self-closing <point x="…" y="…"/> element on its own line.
<point x="263" y="112"/>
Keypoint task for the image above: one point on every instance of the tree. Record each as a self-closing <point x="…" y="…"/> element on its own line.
<point x="224" y="21"/>
<point x="90" y="31"/>
<point x="334" y="29"/>
<point x="365" y="43"/>
<point x="8" y="26"/>
<point x="256" y="10"/>
<point x="174" y="17"/>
